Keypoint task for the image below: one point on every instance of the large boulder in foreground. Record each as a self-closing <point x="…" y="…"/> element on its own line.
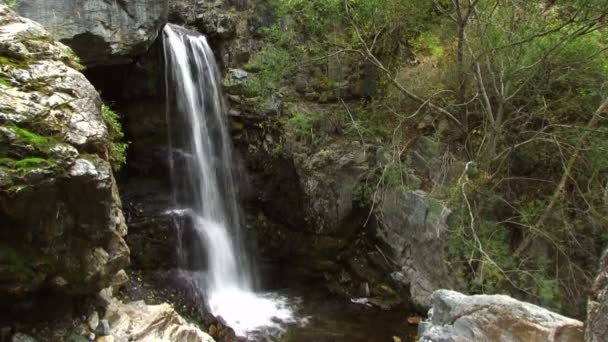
<point x="61" y="224"/>
<point x="455" y="317"/>
<point x="101" y="32"/>
<point x="597" y="308"/>
<point x="137" y="321"/>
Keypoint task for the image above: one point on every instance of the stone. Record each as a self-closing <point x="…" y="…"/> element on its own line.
<point x="93" y="320"/>
<point x="239" y="74"/>
<point x="119" y="280"/>
<point x="597" y="308"/>
<point x="100" y="32"/>
<point x="137" y="321"/>
<point x="301" y="85"/>
<point x="455" y="317"/>
<point x="56" y="125"/>
<point x="103" y="329"/>
<point x="413" y="227"/>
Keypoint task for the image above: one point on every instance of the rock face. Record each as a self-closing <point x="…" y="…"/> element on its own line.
<point x="328" y="180"/>
<point x="62" y="224"/>
<point x="100" y="31"/>
<point x="137" y="321"/>
<point x="456" y="317"/>
<point x="597" y="309"/>
<point x="414" y="227"/>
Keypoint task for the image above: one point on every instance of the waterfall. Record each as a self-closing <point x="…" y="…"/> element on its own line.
<point x="211" y="251"/>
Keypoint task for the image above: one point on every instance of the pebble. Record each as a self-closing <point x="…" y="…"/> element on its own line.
<point x="108" y="338"/>
<point x="103" y="329"/>
<point x="91" y="337"/>
<point x="93" y="320"/>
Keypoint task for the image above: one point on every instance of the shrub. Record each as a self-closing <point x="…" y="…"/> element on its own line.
<point x="118" y="147"/>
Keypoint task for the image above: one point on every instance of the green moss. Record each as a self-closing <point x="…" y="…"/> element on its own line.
<point x="30" y="163"/>
<point x="29" y="137"/>
<point x="15" y="264"/>
<point x="12" y="62"/>
<point x="5" y="82"/>
<point x="7" y="162"/>
<point x="118" y="148"/>
<point x="47" y="39"/>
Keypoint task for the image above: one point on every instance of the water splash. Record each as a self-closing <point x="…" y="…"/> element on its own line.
<point x="211" y="251"/>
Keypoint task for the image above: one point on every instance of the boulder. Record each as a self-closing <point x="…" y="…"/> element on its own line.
<point x="413" y="227"/>
<point x="137" y="321"/>
<point x="597" y="308"/>
<point x="456" y="317"/>
<point x="62" y="222"/>
<point x="101" y="32"/>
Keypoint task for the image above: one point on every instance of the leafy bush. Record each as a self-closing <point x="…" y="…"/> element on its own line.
<point x="118" y="148"/>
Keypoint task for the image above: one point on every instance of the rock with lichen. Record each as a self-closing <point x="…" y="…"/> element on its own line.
<point x="61" y="223"/>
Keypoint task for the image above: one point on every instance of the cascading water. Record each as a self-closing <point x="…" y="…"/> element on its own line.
<point x="211" y="251"/>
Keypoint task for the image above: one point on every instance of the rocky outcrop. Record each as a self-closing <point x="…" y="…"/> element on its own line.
<point x="413" y="227"/>
<point x="213" y="18"/>
<point x="597" y="308"/>
<point x="100" y="31"/>
<point x="329" y="180"/>
<point x="455" y="317"/>
<point x="137" y="321"/>
<point x="62" y="224"/>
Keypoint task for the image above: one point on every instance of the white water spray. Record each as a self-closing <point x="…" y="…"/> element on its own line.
<point x="212" y="255"/>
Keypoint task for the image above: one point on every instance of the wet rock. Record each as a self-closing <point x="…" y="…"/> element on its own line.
<point x="100" y="32"/>
<point x="597" y="308"/>
<point x="455" y="317"/>
<point x="413" y="226"/>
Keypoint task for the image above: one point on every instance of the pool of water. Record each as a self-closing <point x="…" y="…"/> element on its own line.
<point x="320" y="317"/>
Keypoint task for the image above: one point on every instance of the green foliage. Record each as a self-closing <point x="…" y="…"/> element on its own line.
<point x="301" y="121"/>
<point x="13" y="264"/>
<point x="429" y="43"/>
<point x="269" y="68"/>
<point x="31" y="163"/>
<point x="118" y="148"/>
<point x="12" y="62"/>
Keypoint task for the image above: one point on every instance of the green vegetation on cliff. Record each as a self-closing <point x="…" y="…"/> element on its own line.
<point x="118" y="148"/>
<point x="516" y="91"/>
